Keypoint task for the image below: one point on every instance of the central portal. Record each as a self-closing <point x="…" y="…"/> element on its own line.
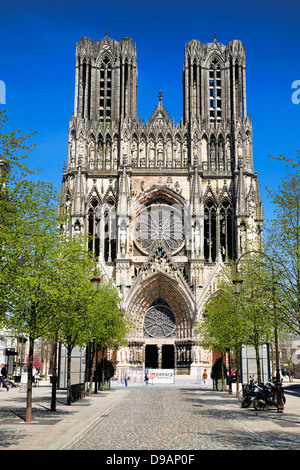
<point x="159" y="329"/>
<point x="152" y="353"/>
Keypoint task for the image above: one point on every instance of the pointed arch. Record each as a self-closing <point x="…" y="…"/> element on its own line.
<point x="210" y="194"/>
<point x="226" y="229"/>
<point x="93" y="218"/>
<point x="214" y="60"/>
<point x="110" y="230"/>
<point x="110" y="196"/>
<point x="160" y="285"/>
<point x="93" y="195"/>
<point x="210" y="229"/>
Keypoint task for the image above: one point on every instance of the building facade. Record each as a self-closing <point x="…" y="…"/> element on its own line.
<point x="166" y="204"/>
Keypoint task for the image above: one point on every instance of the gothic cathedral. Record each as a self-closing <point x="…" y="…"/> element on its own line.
<point x="166" y="204"/>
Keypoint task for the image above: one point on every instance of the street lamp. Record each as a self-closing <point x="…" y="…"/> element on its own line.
<point x="237" y="283"/>
<point x="237" y="290"/>
<point x="95" y="281"/>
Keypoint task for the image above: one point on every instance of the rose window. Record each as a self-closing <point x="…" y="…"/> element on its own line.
<point x="159" y="221"/>
<point x="159" y="320"/>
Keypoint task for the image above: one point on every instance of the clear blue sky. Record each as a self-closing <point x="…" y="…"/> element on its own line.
<point x="37" y="49"/>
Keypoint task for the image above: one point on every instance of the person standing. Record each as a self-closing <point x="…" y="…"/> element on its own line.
<point x="204" y="378"/>
<point x="4" y="370"/>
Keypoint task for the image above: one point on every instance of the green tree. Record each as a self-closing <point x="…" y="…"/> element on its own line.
<point x="256" y="303"/>
<point x="248" y="318"/>
<point x="30" y="301"/>
<point x="224" y="327"/>
<point x="15" y="193"/>
<point x="105" y="367"/>
<point x="283" y="243"/>
<point x="72" y="272"/>
<point x="108" y="325"/>
<point x="29" y="240"/>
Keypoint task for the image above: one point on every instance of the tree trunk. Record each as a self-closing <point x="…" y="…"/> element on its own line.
<point x="69" y="358"/>
<point x="229" y="373"/>
<point x="29" y="381"/>
<point x="103" y="372"/>
<point x="298" y="262"/>
<point x="96" y="372"/>
<point x="54" y="375"/>
<point x="257" y="355"/>
<point x="258" y="365"/>
<point x="237" y="360"/>
<point x="91" y="370"/>
<point x="223" y="375"/>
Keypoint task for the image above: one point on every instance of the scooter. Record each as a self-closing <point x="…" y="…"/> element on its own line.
<point x="268" y="397"/>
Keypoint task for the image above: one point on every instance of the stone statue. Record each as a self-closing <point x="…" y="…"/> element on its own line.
<point x="123" y="240"/>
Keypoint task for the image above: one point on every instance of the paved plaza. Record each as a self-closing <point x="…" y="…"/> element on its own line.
<point x="169" y="418"/>
<point x="153" y="417"/>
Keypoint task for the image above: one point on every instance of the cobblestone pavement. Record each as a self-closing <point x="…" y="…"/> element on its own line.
<point x="172" y="418"/>
<point x="180" y="417"/>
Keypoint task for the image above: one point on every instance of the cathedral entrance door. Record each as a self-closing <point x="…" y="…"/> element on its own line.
<point x="151" y="356"/>
<point x="167" y="360"/>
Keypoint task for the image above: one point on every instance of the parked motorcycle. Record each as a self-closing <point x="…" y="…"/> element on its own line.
<point x="250" y="392"/>
<point x="267" y="397"/>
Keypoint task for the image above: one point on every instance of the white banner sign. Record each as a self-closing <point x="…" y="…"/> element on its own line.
<point x="162" y="376"/>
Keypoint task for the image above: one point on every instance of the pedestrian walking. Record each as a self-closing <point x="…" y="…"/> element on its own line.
<point x="125" y="380"/>
<point x="204" y="378"/>
<point x="146" y="379"/>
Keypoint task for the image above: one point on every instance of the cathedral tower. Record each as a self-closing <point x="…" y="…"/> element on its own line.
<point x="106" y="80"/>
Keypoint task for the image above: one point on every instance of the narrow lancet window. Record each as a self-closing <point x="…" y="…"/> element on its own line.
<point x="110" y="233"/>
<point x="210" y="231"/>
<point x="226" y="230"/>
<point x="93" y="228"/>
<point x="215" y="91"/>
<point x="105" y="96"/>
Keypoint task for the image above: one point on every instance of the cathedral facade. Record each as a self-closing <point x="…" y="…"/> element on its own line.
<point x="166" y="204"/>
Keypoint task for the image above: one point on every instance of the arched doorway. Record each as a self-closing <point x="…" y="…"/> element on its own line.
<point x="163" y="313"/>
<point x="159" y="329"/>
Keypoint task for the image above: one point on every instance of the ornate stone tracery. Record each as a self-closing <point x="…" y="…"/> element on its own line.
<point x="159" y="321"/>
